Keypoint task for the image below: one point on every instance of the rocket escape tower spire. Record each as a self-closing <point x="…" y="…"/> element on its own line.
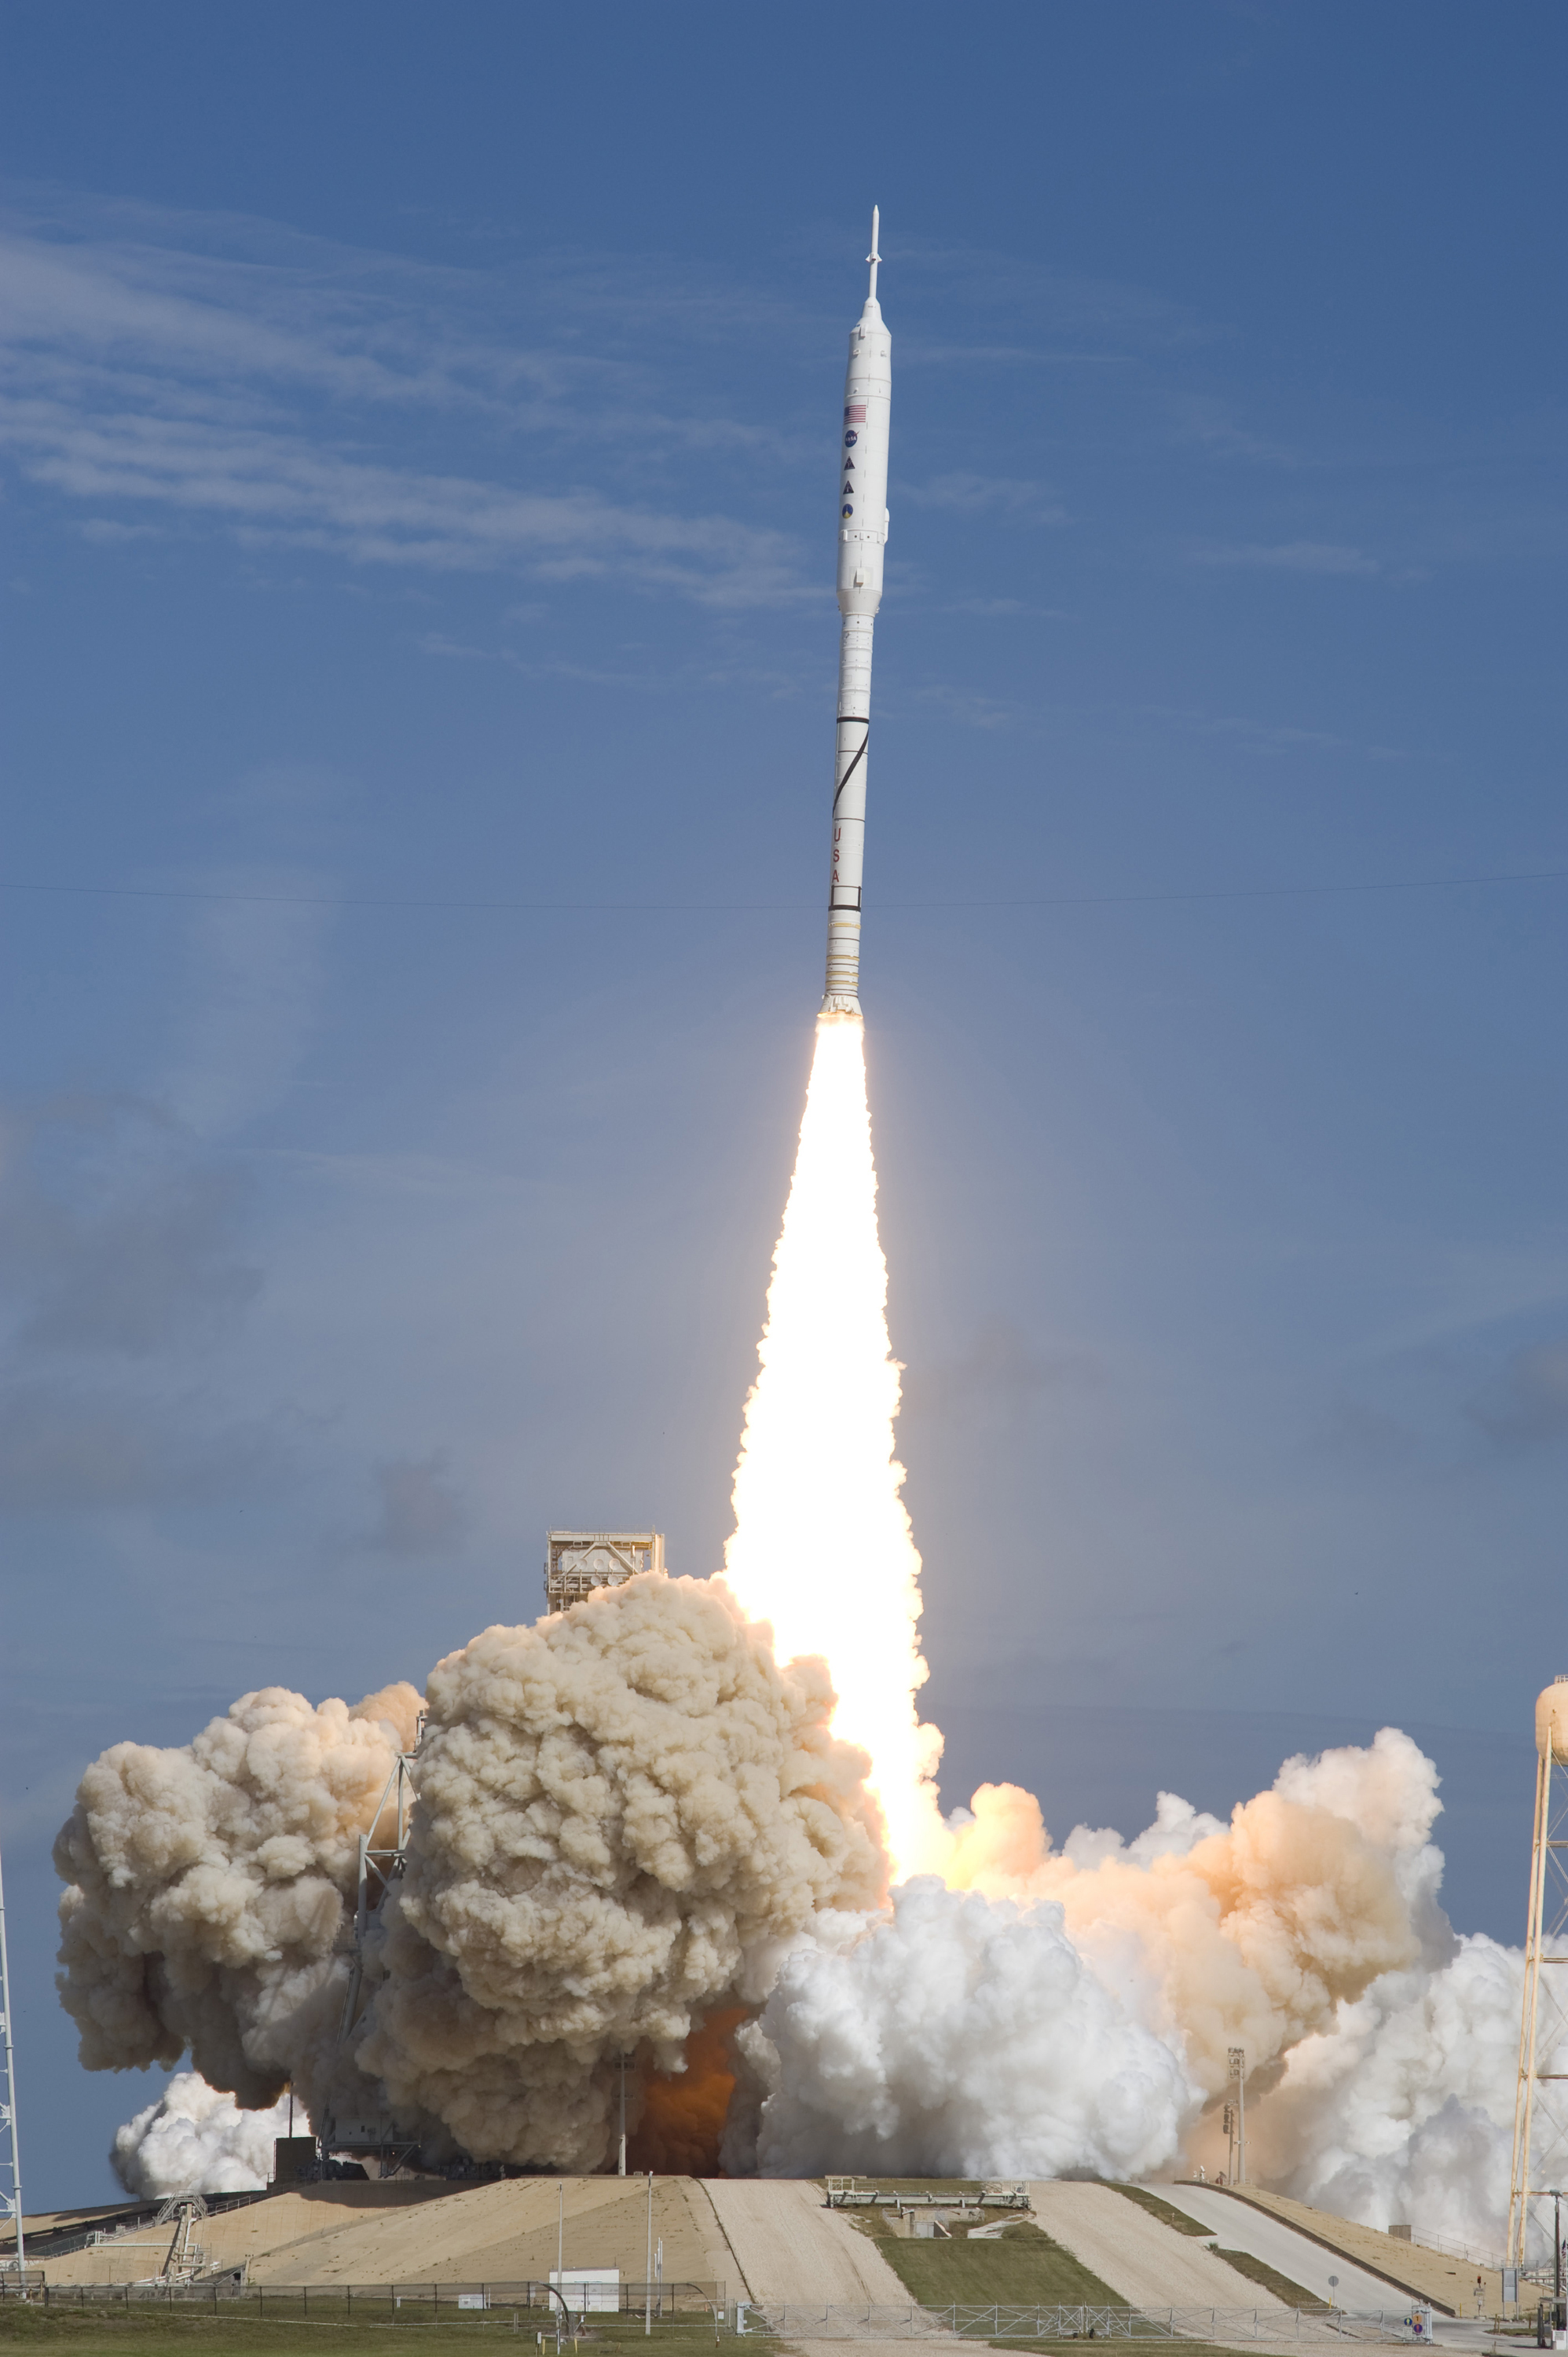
<point x="863" y="534"/>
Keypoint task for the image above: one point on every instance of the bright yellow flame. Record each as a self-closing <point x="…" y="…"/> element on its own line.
<point x="823" y="1546"/>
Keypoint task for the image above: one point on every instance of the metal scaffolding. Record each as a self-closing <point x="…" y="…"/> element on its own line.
<point x="384" y="1856"/>
<point x="1541" y="2106"/>
<point x="576" y="1562"/>
<point x="11" y="2151"/>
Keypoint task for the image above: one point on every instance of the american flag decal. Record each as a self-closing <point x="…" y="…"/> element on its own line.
<point x="855" y="414"/>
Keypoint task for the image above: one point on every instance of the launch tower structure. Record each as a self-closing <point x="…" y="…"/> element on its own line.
<point x="577" y="1562"/>
<point x="1541" y="2107"/>
<point x="11" y="2150"/>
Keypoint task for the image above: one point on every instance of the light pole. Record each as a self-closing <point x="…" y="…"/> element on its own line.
<point x="1238" y="2059"/>
<point x="620" y="2170"/>
<point x="648" y="2271"/>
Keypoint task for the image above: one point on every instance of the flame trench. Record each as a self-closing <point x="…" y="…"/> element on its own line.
<point x="823" y="1546"/>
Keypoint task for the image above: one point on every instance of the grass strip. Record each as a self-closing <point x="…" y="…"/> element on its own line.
<point x="149" y="2331"/>
<point x="1165" y="2211"/>
<point x="1269" y="2278"/>
<point x="1024" y="2268"/>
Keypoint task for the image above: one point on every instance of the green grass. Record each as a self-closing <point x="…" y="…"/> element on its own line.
<point x="148" y="2331"/>
<point x="1269" y="2278"/>
<point x="1023" y="2269"/>
<point x="1165" y="2211"/>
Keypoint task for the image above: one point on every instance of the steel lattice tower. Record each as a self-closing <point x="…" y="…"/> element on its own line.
<point x="10" y="2146"/>
<point x="1541" y="2107"/>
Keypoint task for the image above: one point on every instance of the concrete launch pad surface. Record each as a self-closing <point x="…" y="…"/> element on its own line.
<point x="768" y="2240"/>
<point x="1448" y="2283"/>
<point x="789" y="2249"/>
<point x="1240" y="2226"/>
<point x="1149" y="2263"/>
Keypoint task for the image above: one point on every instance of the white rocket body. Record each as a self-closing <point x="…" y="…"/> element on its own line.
<point x="863" y="534"/>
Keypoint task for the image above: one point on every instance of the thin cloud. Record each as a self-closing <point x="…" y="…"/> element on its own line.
<point x="1324" y="557"/>
<point x="419" y="1511"/>
<point x="970" y="494"/>
<point x="1528" y="1406"/>
<point x="141" y="375"/>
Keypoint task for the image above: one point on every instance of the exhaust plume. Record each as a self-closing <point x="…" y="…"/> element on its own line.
<point x="195" y="2140"/>
<point x="625" y="1814"/>
<point x="822" y="1548"/>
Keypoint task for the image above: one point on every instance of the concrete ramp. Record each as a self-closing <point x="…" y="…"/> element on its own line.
<point x="1144" y="2261"/>
<point x="1239" y="2226"/>
<point x="791" y="2251"/>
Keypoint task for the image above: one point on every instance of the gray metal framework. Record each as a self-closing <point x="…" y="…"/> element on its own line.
<point x="578" y="1562"/>
<point x="11" y="2155"/>
<point x="383" y="1862"/>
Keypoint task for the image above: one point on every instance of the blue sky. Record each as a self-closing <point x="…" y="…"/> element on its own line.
<point x="419" y="657"/>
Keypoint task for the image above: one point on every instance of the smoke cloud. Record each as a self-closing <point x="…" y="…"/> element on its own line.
<point x="195" y="2140"/>
<point x="962" y="2036"/>
<point x="635" y="1836"/>
<point x="1073" y="2009"/>
<point x="625" y="1813"/>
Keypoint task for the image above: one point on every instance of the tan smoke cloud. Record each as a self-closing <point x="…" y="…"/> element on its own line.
<point x="625" y="1814"/>
<point x="1250" y="1934"/>
<point x="207" y="1885"/>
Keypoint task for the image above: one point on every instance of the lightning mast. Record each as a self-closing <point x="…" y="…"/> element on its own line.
<point x="10" y="2198"/>
<point x="1541" y="2106"/>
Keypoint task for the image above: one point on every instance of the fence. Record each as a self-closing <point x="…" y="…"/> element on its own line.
<point x="368" y="2303"/>
<point x="667" y="2303"/>
<point x="1272" y="2328"/>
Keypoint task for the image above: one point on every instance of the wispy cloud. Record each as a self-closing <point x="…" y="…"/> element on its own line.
<point x="1329" y="557"/>
<point x="420" y="1510"/>
<point x="980" y="494"/>
<point x="1526" y="1407"/>
<point x="143" y="379"/>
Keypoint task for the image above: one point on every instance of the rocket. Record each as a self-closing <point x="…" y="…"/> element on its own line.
<point x="863" y="534"/>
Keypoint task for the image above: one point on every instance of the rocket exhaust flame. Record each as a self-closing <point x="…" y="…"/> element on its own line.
<point x="822" y="1546"/>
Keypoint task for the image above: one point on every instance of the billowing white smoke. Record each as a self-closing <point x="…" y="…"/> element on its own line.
<point x="195" y="2140"/>
<point x="963" y="2037"/>
<point x="625" y="1815"/>
<point x="1405" y="2109"/>
<point x="1074" y="2009"/>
